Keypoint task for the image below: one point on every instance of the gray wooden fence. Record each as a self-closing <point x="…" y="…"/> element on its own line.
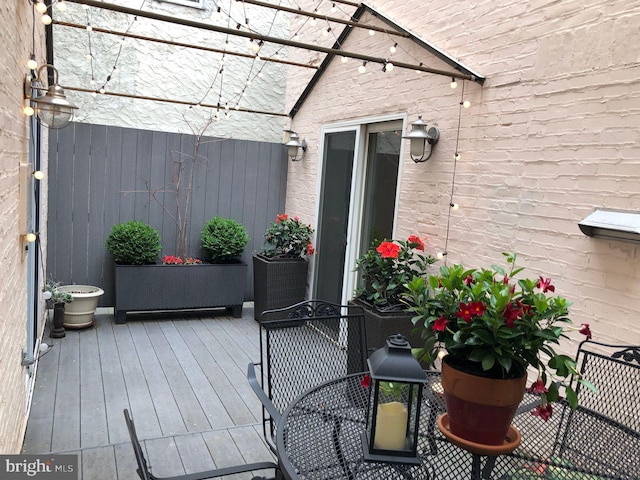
<point x="100" y="176"/>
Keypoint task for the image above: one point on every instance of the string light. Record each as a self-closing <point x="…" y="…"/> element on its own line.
<point x="454" y="84"/>
<point x="441" y="255"/>
<point x="344" y="59"/>
<point x="387" y="67"/>
<point x="38" y="174"/>
<point x="89" y="27"/>
<point x="46" y="19"/>
<point x="41" y="7"/>
<point x="30" y="237"/>
<point x="325" y="33"/>
<point x="62" y="6"/>
<point x="362" y="68"/>
<point x="27" y="109"/>
<point x="454" y="206"/>
<point x="31" y="63"/>
<point x="313" y="22"/>
<point x="334" y="9"/>
<point x="466" y="104"/>
<point x="372" y="33"/>
<point x="393" y="48"/>
<point x="456" y="156"/>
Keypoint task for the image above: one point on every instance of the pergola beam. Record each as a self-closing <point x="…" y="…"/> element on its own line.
<point x="266" y="38"/>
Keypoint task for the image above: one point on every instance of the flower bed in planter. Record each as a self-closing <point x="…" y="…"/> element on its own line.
<point x="179" y="287"/>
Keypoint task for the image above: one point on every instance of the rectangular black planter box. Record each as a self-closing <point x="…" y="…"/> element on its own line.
<point x="179" y="287"/>
<point x="278" y="283"/>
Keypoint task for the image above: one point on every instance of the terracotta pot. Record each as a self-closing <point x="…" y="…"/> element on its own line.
<point x="480" y="409"/>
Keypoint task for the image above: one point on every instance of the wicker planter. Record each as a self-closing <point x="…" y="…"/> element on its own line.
<point x="179" y="287"/>
<point x="278" y="282"/>
<point x="381" y="325"/>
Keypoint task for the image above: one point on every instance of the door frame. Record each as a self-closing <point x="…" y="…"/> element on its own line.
<point x="360" y="126"/>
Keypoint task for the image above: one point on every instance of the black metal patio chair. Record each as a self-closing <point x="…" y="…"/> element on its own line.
<point x="301" y="346"/>
<point x="144" y="470"/>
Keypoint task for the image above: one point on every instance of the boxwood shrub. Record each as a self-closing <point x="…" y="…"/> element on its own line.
<point x="223" y="239"/>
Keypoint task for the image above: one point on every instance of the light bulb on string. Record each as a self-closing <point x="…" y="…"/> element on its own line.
<point x="94" y="94"/>
<point x="454" y="206"/>
<point x="102" y="90"/>
<point x="41" y="7"/>
<point x="89" y="27"/>
<point x="32" y="64"/>
<point x="38" y="174"/>
<point x="372" y="33"/>
<point x="466" y="104"/>
<point x="46" y="19"/>
<point x="362" y="68"/>
<point x="388" y="67"/>
<point x="334" y="9"/>
<point x="456" y="156"/>
<point x="453" y="84"/>
<point x="313" y="22"/>
<point x="88" y="56"/>
<point x="325" y="33"/>
<point x="62" y="6"/>
<point x="27" y="109"/>
<point x="344" y="59"/>
<point x="30" y="237"/>
<point x="393" y="48"/>
<point x="441" y="255"/>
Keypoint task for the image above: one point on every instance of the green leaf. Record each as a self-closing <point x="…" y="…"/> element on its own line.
<point x="589" y="385"/>
<point x="488" y="362"/>
<point x="572" y="398"/>
<point x="553" y="394"/>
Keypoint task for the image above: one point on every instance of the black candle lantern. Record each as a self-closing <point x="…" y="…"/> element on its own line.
<point x="395" y="397"/>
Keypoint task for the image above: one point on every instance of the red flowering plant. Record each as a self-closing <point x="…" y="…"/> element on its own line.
<point x="387" y="267"/>
<point x="173" y="260"/>
<point x="287" y="237"/>
<point x="493" y="325"/>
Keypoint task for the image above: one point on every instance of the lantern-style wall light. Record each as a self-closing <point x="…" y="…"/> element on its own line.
<point x="53" y="108"/>
<point x="420" y="137"/>
<point x="295" y="147"/>
<point x="395" y="397"/>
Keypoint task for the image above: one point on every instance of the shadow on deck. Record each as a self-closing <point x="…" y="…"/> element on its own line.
<point x="181" y="375"/>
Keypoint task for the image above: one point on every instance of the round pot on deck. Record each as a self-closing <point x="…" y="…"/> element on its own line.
<point x="81" y="311"/>
<point x="480" y="409"/>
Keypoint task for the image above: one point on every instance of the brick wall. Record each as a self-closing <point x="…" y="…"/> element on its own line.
<point x="552" y="135"/>
<point x="16" y="38"/>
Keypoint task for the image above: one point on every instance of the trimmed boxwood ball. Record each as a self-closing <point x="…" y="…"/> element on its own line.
<point x="134" y="243"/>
<point x="223" y="239"/>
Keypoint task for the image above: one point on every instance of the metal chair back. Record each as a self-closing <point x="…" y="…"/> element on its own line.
<point x="304" y="345"/>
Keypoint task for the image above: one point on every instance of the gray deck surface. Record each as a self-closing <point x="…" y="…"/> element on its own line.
<point x="182" y="377"/>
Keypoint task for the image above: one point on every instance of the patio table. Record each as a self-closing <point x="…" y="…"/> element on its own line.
<point x="319" y="437"/>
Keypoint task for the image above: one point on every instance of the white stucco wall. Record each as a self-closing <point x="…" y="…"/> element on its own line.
<point x="165" y="71"/>
<point x="552" y="135"/>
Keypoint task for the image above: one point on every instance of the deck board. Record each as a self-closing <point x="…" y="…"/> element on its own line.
<point x="183" y="378"/>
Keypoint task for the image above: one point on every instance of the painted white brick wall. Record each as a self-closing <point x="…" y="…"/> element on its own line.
<point x="178" y="73"/>
<point x="552" y="135"/>
<point x="15" y="36"/>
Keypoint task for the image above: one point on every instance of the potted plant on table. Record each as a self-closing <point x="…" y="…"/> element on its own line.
<point x="178" y="283"/>
<point x="280" y="269"/>
<point x="493" y="327"/>
<point x="385" y="270"/>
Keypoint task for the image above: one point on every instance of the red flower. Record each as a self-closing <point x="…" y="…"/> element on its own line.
<point x="388" y="250"/>
<point x="477" y="308"/>
<point x="440" y="324"/>
<point x="545" y="285"/>
<point x="414" y="239"/>
<point x="281" y="217"/>
<point x="469" y="280"/>
<point x="537" y="387"/>
<point x="511" y="314"/>
<point x="465" y="312"/>
<point x="310" y="249"/>
<point x="585" y="330"/>
<point x="365" y="381"/>
<point x="543" y="412"/>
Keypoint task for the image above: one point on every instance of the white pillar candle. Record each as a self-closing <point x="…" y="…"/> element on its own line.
<point x="391" y="426"/>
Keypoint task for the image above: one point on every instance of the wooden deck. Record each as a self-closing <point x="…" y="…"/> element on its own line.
<point x="182" y="377"/>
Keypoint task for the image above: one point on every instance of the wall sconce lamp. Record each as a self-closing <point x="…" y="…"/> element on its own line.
<point x="419" y="137"/>
<point x="53" y="108"/>
<point x="294" y="145"/>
